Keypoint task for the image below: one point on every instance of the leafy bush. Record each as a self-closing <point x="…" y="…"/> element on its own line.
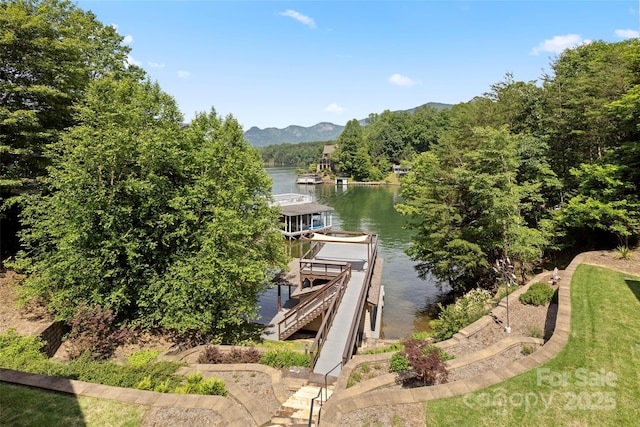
<point x="538" y="294"/>
<point x="624" y="252"/>
<point x="285" y="359"/>
<point x="536" y="332"/>
<point x="443" y="354"/>
<point x="426" y="360"/>
<point x="143" y="357"/>
<point x="212" y="354"/>
<point x="399" y="363"/>
<point x="422" y="335"/>
<point x="466" y="310"/>
<point x="385" y="349"/>
<point x="22" y="353"/>
<point x="527" y="349"/>
<point x="93" y="331"/>
<point x="196" y="384"/>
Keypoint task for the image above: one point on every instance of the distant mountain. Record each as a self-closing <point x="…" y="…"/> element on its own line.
<point x="320" y="132"/>
<point x="293" y="134"/>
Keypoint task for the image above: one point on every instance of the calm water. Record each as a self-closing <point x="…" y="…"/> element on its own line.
<point x="362" y="208"/>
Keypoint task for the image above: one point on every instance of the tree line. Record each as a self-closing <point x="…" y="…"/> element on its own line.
<point x="119" y="204"/>
<point x="522" y="171"/>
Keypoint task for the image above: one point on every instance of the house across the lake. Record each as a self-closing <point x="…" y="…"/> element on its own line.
<point x="301" y="215"/>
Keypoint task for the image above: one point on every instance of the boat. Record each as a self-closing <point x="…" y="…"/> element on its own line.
<point x="309" y="178"/>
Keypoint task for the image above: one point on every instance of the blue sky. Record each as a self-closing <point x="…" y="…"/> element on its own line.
<point x="277" y="63"/>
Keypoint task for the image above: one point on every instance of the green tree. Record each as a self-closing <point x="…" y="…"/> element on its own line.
<point x="604" y="202"/>
<point x="467" y="209"/>
<point x="171" y="228"/>
<point x="49" y="51"/>
<point x="350" y="141"/>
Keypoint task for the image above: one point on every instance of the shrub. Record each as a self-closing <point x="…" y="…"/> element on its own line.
<point x="385" y="349"/>
<point x="536" y="332"/>
<point x="443" y="354"/>
<point x="143" y="357"/>
<point x="426" y="360"/>
<point x="527" y="349"/>
<point x="624" y="252"/>
<point x="466" y="310"/>
<point x="93" y="331"/>
<point x="22" y="353"/>
<point x="196" y="384"/>
<point x="285" y="359"/>
<point x="538" y="294"/>
<point x="399" y="363"/>
<point x="212" y="354"/>
<point x="422" y="335"/>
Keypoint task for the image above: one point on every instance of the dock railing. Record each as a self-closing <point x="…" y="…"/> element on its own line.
<point x="321" y="336"/>
<point x="355" y="323"/>
<point x="314" y="305"/>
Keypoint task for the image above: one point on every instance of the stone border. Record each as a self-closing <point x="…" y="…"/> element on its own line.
<point x="335" y="408"/>
<point x="231" y="412"/>
<point x="251" y="402"/>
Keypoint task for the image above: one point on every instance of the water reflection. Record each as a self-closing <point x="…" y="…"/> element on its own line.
<point x="409" y="300"/>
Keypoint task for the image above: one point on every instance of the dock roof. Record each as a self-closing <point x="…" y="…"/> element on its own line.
<point x="304" y="209"/>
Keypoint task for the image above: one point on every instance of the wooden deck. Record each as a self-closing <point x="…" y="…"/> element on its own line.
<point x="340" y="336"/>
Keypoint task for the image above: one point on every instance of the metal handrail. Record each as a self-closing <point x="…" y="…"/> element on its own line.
<point x="348" y="349"/>
<point x="318" y="342"/>
<point x="311" y="410"/>
<point x="326" y="393"/>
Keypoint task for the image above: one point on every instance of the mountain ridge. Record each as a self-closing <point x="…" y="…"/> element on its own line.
<point x="323" y="131"/>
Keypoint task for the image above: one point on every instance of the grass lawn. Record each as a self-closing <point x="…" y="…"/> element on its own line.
<point x="593" y="381"/>
<point x="27" y="406"/>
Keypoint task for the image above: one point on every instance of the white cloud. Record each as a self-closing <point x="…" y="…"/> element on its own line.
<point x="627" y="34"/>
<point x="309" y="22"/>
<point x="133" y="61"/>
<point x="334" y="108"/>
<point x="115" y="26"/>
<point x="400" y="80"/>
<point x="559" y="43"/>
<point x="155" y="64"/>
<point x="128" y="39"/>
<point x="183" y="74"/>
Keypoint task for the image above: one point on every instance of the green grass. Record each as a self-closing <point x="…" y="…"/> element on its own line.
<point x="26" y="406"/>
<point x="594" y="380"/>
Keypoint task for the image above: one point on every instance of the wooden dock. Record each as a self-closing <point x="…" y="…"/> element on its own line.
<point x="345" y="320"/>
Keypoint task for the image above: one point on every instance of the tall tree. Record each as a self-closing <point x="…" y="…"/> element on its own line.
<point x="49" y="51"/>
<point x="169" y="227"/>
<point x="466" y="209"/>
<point x="350" y="141"/>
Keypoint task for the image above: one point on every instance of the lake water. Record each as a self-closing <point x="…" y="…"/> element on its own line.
<point x="408" y="299"/>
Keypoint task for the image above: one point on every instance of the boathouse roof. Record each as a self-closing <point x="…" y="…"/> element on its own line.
<point x="304" y="209"/>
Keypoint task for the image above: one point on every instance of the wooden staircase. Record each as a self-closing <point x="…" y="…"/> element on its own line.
<point x="313" y="306"/>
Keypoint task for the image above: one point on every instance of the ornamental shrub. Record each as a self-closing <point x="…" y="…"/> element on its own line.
<point x="466" y="310"/>
<point x="212" y="354"/>
<point x="538" y="294"/>
<point x="427" y="361"/>
<point x="399" y="362"/>
<point x="93" y="331"/>
<point x="285" y="359"/>
<point x="196" y="384"/>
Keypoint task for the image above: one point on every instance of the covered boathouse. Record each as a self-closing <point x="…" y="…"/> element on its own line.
<point x="301" y="215"/>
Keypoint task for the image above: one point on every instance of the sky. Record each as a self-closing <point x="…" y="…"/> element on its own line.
<point x="281" y="63"/>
